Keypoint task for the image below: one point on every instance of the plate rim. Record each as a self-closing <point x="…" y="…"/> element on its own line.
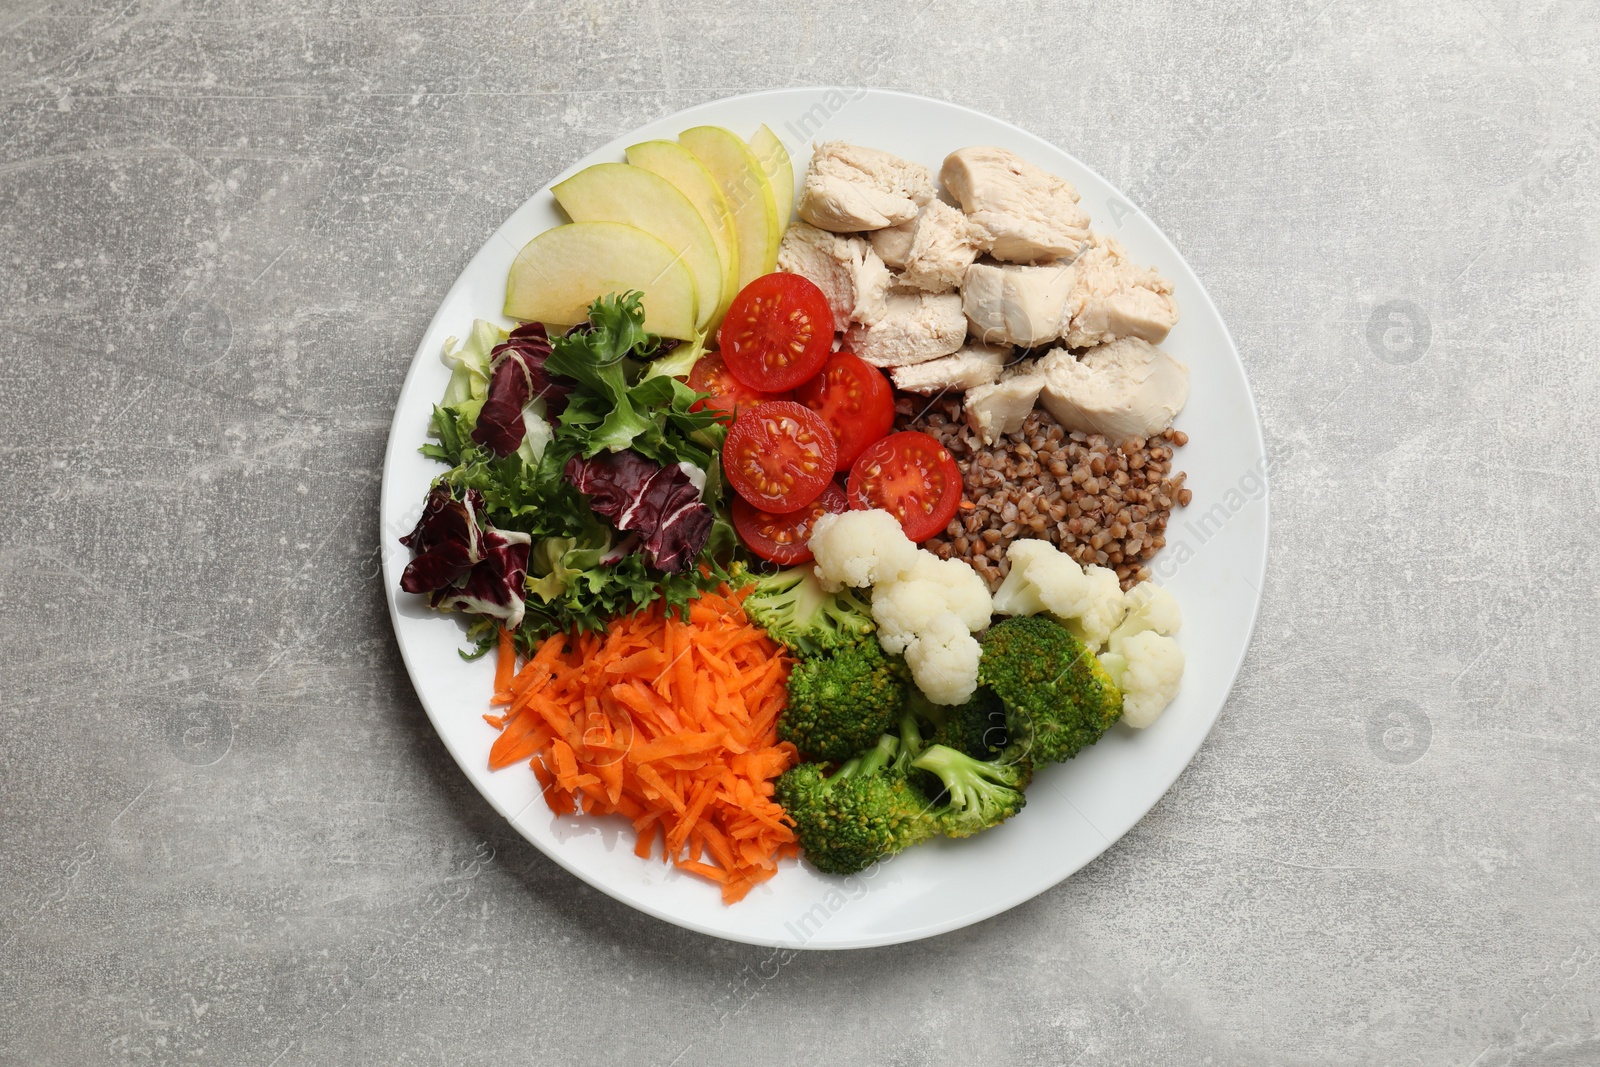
<point x="1002" y="903"/>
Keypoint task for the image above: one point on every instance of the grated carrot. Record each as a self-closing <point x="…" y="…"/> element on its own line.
<point x="669" y="723"/>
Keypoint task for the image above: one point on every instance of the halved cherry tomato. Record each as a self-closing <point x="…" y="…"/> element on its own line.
<point x="728" y="394"/>
<point x="854" y="399"/>
<point x="911" y="476"/>
<point x="777" y="333"/>
<point x="782" y="538"/>
<point x="779" y="456"/>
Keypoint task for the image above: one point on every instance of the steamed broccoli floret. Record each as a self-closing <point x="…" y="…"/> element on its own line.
<point x="864" y="811"/>
<point x="1058" y="698"/>
<point x="910" y="746"/>
<point x="792" y="606"/>
<point x="840" y="703"/>
<point x="978" y="793"/>
<point x="977" y="728"/>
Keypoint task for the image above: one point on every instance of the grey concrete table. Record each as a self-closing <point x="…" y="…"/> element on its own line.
<point x="228" y="834"/>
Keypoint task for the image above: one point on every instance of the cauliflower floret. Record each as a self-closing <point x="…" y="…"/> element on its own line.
<point x="860" y="548"/>
<point x="1150" y="607"/>
<point x="930" y="586"/>
<point x="944" y="660"/>
<point x="1101" y="609"/>
<point x="1148" y="668"/>
<point x="965" y="593"/>
<point x="925" y="607"/>
<point x="1043" y="578"/>
<point x="1063" y="589"/>
<point x="1017" y="595"/>
<point x="902" y="608"/>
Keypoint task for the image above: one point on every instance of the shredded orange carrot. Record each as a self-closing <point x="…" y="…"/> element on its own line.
<point x="669" y="723"/>
<point x="505" y="663"/>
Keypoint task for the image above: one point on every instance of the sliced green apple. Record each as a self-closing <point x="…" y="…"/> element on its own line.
<point x="617" y="192"/>
<point x="779" y="170"/>
<point x="677" y="164"/>
<point x="559" y="273"/>
<point x="739" y="175"/>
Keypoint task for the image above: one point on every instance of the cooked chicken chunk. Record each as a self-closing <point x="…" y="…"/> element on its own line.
<point x="1126" y="388"/>
<point x="1002" y="408"/>
<point x="1112" y="298"/>
<point x="916" y="328"/>
<point x="944" y="242"/>
<point x="850" y="188"/>
<point x="969" y="368"/>
<point x="846" y="269"/>
<point x="1028" y="214"/>
<point x="1017" y="305"/>
<point x="893" y="243"/>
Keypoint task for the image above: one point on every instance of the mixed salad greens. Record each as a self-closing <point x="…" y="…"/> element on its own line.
<point x="584" y="449"/>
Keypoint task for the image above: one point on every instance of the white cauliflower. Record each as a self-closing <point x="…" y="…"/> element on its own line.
<point x="860" y="548"/>
<point x="1017" y="595"/>
<point x="1147" y="667"/>
<point x="964" y="592"/>
<point x="1061" y="585"/>
<point x="1101" y="609"/>
<point x="930" y="586"/>
<point x="925" y="607"/>
<point x="1150" y="607"/>
<point x="1045" y="579"/>
<point x="902" y="608"/>
<point x="943" y="659"/>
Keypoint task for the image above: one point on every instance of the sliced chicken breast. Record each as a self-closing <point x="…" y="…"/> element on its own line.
<point x="944" y="242"/>
<point x="1029" y="215"/>
<point x="1125" y="388"/>
<point x="1002" y="408"/>
<point x="972" y="366"/>
<point x="850" y="188"/>
<point x="916" y="327"/>
<point x="846" y="269"/>
<point x="893" y="243"/>
<point x="1017" y="305"/>
<point x="1114" y="298"/>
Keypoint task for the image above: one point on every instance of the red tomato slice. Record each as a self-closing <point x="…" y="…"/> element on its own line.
<point x="854" y="398"/>
<point x="782" y="538"/>
<point x="778" y="332"/>
<point x="911" y="476"/>
<point x="728" y="394"/>
<point x="779" y="456"/>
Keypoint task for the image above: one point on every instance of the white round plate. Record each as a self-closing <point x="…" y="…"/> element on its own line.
<point x="1213" y="563"/>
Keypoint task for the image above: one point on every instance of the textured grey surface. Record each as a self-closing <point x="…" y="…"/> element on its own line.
<point x="228" y="834"/>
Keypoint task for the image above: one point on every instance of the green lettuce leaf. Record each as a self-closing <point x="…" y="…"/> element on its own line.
<point x="469" y="369"/>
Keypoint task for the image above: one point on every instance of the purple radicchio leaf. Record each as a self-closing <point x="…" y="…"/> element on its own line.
<point x="464" y="565"/>
<point x="446" y="540"/>
<point x="661" y="504"/>
<point x="517" y="376"/>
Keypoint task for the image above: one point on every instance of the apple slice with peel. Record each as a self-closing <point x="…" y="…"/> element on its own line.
<point x="677" y="164"/>
<point x="617" y="192"/>
<point x="775" y="163"/>
<point x="739" y="175"/>
<point x="559" y="273"/>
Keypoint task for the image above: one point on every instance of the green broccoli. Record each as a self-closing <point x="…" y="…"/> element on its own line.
<point x="840" y="703"/>
<point x="977" y="728"/>
<point x="864" y="811"/>
<point x="910" y="746"/>
<point x="1057" y="696"/>
<point x="796" y="611"/>
<point x="978" y="794"/>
